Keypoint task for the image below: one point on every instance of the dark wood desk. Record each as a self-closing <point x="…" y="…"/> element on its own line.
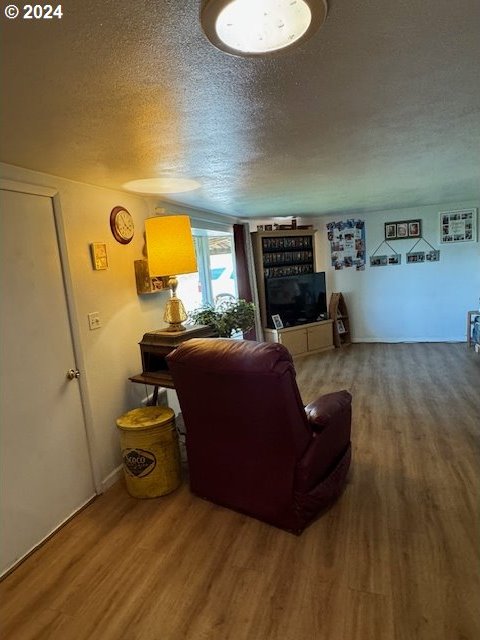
<point x="154" y="348"/>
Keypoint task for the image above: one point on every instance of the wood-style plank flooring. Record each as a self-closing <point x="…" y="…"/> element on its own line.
<point x="397" y="557"/>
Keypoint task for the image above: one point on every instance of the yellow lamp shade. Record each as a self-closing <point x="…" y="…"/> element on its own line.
<point x="170" y="248"/>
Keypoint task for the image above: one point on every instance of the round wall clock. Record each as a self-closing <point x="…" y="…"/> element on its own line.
<point x="121" y="224"/>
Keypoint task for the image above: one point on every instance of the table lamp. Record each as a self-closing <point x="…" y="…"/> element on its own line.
<point x="171" y="252"/>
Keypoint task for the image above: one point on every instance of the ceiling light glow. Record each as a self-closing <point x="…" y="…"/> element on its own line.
<point x="259" y="27"/>
<point x="158" y="186"/>
<point x="252" y="26"/>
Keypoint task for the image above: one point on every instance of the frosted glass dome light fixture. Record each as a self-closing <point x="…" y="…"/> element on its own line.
<point x="261" y="27"/>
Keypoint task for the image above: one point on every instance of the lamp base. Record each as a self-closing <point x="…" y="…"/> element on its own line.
<point x="175" y="327"/>
<point x="175" y="314"/>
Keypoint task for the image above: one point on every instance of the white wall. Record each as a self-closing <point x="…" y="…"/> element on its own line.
<point x="110" y="354"/>
<point x="409" y="302"/>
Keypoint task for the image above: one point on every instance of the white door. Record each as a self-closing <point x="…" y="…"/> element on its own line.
<point x="45" y="464"/>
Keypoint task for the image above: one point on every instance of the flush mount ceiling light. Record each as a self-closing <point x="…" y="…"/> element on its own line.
<point x="260" y="27"/>
<point x="157" y="186"/>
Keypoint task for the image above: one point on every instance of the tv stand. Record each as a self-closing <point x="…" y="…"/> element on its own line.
<point x="304" y="339"/>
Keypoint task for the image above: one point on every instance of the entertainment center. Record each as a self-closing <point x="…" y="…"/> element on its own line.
<point x="292" y="295"/>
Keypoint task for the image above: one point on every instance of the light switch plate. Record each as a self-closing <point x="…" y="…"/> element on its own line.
<point x="94" y="321"/>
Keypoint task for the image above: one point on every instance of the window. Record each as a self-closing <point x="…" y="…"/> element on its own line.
<point x="215" y="280"/>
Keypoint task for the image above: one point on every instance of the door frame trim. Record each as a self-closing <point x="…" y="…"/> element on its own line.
<point x="54" y="195"/>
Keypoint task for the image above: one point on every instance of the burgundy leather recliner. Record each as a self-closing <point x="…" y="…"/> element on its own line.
<point x="251" y="444"/>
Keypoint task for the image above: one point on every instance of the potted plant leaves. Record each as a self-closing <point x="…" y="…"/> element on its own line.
<point x="228" y="318"/>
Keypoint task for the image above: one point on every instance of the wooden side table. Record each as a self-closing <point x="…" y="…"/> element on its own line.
<point x="154" y="348"/>
<point x="471" y="315"/>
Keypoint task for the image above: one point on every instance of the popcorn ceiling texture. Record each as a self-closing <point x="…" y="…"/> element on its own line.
<point x="379" y="110"/>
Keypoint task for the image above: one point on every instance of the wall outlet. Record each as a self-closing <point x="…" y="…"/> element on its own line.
<point x="94" y="321"/>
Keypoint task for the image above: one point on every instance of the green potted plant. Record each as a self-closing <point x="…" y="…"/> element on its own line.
<point x="227" y="318"/>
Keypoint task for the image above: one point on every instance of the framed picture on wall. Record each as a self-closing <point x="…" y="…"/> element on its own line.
<point x="458" y="226"/>
<point x="414" y="229"/>
<point x="403" y="229"/>
<point x="432" y="256"/>
<point x="415" y="257"/>
<point x="390" y="231"/>
<point x="98" y="253"/>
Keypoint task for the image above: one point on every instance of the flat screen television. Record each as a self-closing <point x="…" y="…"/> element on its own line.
<point x="296" y="299"/>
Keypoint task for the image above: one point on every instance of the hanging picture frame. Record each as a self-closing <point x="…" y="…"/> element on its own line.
<point x="395" y="258"/>
<point x="378" y="261"/>
<point x="458" y="226"/>
<point x="432" y="256"/>
<point x="416" y="257"/>
<point x="403" y="229"/>
<point x="385" y="260"/>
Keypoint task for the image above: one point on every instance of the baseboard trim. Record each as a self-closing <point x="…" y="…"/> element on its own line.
<point x="408" y="340"/>
<point x="112" y="478"/>
<point x="26" y="555"/>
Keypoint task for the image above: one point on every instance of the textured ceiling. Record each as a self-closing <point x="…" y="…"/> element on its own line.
<point x="381" y="109"/>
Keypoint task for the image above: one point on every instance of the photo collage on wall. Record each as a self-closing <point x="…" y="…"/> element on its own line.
<point x="458" y="226"/>
<point x="347" y="244"/>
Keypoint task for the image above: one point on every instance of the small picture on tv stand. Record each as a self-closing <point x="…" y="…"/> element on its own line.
<point x="277" y="321"/>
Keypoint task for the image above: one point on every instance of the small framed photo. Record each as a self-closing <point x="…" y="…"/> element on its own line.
<point x="415" y="257"/>
<point x="402" y="230"/>
<point x="340" y="326"/>
<point x="390" y="231"/>
<point x="259" y="227"/>
<point x="277" y="321"/>
<point x="414" y="229"/>
<point x="432" y="256"/>
<point x="378" y="261"/>
<point x="268" y="227"/>
<point x="98" y="251"/>
<point x="395" y="258"/>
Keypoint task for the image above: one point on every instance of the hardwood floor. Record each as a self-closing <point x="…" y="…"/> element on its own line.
<point x="396" y="558"/>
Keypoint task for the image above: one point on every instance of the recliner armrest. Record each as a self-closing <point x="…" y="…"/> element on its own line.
<point x="321" y="411"/>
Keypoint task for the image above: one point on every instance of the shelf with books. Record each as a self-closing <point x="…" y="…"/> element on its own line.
<point x="280" y="254"/>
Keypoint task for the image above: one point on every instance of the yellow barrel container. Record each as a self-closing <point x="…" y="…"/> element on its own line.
<point x="150" y="451"/>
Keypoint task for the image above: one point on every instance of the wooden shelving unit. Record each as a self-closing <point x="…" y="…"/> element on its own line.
<point x="341" y="323"/>
<point x="281" y="253"/>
